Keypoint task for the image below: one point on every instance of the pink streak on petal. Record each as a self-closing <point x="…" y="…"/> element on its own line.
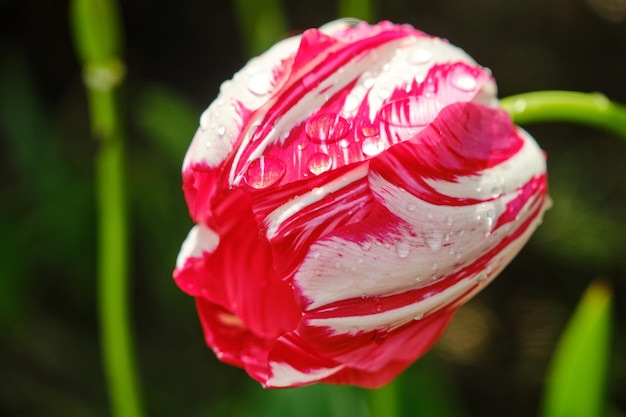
<point x="463" y="140"/>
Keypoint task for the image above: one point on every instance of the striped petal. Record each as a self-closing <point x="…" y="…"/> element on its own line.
<point x="351" y="187"/>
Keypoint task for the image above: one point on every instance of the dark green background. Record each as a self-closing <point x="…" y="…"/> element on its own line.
<point x="492" y="361"/>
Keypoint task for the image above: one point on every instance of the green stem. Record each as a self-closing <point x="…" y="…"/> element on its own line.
<point x="97" y="37"/>
<point x="591" y="109"/>
<point x="384" y="401"/>
<point x="360" y="9"/>
<point x="261" y="24"/>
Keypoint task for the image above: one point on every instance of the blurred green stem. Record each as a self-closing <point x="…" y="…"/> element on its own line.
<point x="384" y="401"/>
<point x="591" y="109"/>
<point x="97" y="37"/>
<point x="360" y="9"/>
<point x="261" y="24"/>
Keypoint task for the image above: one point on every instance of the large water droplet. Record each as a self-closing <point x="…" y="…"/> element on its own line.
<point x="260" y="83"/>
<point x="402" y="249"/>
<point x="264" y="172"/>
<point x="319" y="163"/>
<point x="464" y="81"/>
<point x="372" y="146"/>
<point x="420" y="56"/>
<point x="327" y="128"/>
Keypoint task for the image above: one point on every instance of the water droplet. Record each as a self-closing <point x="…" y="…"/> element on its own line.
<point x="315" y="254"/>
<point x="319" y="163"/>
<point x="434" y="240"/>
<point x="420" y="56"/>
<point x="458" y="254"/>
<point x="327" y="128"/>
<point x="368" y="80"/>
<point x="384" y="93"/>
<point x="496" y="190"/>
<point x="464" y="81"/>
<point x="366" y="245"/>
<point x="207" y="144"/>
<point x="419" y="315"/>
<point x="434" y="276"/>
<point x="205" y="119"/>
<point x="410" y="207"/>
<point x="302" y="146"/>
<point x="433" y="265"/>
<point x="368" y="130"/>
<point x="372" y="146"/>
<point x="264" y="172"/>
<point x="449" y="220"/>
<point x="221" y="131"/>
<point x="481" y="278"/>
<point x="418" y="278"/>
<point x="344" y="143"/>
<point x="379" y="307"/>
<point x="402" y="249"/>
<point x="260" y="84"/>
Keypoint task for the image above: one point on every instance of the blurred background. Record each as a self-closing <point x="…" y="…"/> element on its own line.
<point x="494" y="358"/>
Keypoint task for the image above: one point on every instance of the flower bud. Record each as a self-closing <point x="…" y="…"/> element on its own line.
<point x="351" y="188"/>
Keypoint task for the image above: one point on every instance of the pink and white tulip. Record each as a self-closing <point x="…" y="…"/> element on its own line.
<point x="351" y="187"/>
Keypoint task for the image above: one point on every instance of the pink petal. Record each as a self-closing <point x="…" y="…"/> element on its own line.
<point x="238" y="274"/>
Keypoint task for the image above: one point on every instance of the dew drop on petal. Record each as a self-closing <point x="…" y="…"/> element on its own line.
<point x="327" y="128"/>
<point x="420" y="56"/>
<point x="319" y="163"/>
<point x="464" y="82"/>
<point x="419" y="315"/>
<point x="368" y="130"/>
<point x="221" y="131"/>
<point x="264" y="172"/>
<point x="402" y="249"/>
<point x="344" y="143"/>
<point x="384" y="93"/>
<point x="372" y="146"/>
<point x="410" y="207"/>
<point x="260" y="84"/>
<point x="204" y="119"/>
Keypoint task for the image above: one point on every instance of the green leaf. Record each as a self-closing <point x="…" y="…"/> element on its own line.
<point x="576" y="384"/>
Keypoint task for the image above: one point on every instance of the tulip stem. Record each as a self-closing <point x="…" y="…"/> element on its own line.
<point x="98" y="37"/>
<point x="384" y="401"/>
<point x="591" y="109"/>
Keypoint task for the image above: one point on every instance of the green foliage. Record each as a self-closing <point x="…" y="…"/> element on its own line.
<point x="576" y="384"/>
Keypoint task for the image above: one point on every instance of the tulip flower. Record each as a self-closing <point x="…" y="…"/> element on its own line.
<point x="351" y="188"/>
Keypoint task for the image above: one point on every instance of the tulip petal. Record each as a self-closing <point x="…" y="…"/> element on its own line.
<point x="237" y="274"/>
